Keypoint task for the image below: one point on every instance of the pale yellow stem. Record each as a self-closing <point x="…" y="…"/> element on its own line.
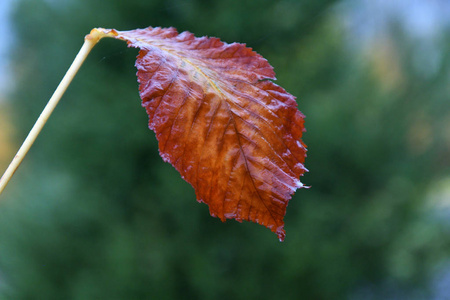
<point x="89" y="42"/>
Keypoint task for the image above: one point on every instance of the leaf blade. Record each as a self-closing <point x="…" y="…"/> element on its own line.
<point x="231" y="132"/>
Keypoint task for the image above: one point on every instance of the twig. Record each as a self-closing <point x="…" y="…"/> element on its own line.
<point x="89" y="42"/>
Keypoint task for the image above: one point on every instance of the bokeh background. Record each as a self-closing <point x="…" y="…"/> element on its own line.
<point x="94" y="212"/>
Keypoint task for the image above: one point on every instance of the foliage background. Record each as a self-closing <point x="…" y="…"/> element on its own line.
<point x="94" y="213"/>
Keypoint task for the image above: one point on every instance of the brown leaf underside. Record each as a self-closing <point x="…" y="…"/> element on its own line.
<point x="231" y="133"/>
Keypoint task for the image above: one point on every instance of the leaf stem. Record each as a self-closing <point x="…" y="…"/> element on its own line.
<point x="89" y="42"/>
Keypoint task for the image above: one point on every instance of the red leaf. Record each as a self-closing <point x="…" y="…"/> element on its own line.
<point x="231" y="133"/>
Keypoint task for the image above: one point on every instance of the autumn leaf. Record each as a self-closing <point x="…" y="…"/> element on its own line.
<point x="232" y="133"/>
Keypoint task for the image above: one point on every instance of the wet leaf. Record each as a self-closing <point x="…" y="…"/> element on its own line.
<point x="232" y="133"/>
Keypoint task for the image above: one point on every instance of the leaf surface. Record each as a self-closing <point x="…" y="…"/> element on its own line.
<point x="232" y="133"/>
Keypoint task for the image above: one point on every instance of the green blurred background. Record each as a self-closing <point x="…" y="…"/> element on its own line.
<point x="94" y="212"/>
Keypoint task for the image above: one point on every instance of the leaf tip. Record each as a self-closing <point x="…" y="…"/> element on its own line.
<point x="281" y="234"/>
